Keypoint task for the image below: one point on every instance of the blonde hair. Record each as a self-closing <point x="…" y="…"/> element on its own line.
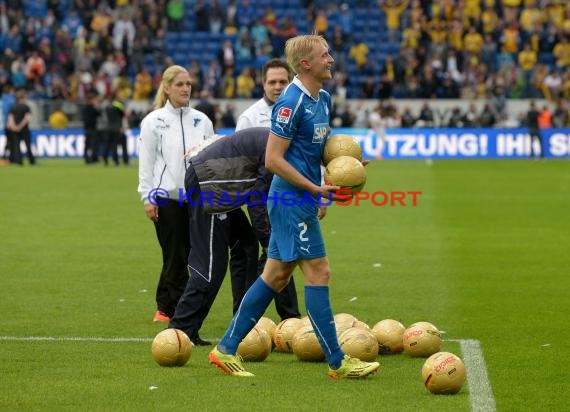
<point x="301" y="47"/>
<point x="167" y="78"/>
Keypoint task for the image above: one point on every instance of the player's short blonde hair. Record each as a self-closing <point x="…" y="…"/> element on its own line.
<point x="301" y="47"/>
<point x="167" y="78"/>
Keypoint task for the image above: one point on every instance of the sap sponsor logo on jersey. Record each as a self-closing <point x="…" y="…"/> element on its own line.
<point x="320" y="132"/>
<point x="283" y="115"/>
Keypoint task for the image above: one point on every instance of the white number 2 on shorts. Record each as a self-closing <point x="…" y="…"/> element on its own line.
<point x="303" y="225"/>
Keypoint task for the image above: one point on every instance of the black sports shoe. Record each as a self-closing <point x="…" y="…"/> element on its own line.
<point x="200" y="342"/>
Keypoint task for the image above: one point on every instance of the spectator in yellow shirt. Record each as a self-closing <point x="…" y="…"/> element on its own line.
<point x="555" y="13"/>
<point x="359" y="53"/>
<point x="122" y="87"/>
<point x="510" y="38"/>
<point x="473" y="41"/>
<point x="449" y="7"/>
<point x="455" y="38"/>
<point x="393" y="10"/>
<point x="438" y="35"/>
<point x="472" y="9"/>
<point x="527" y="58"/>
<point x="442" y="10"/>
<point x="436" y="11"/>
<point x="529" y="16"/>
<point x="411" y="36"/>
<point x="228" y="86"/>
<point x="561" y="53"/>
<point x="527" y="61"/>
<point x="490" y="20"/>
<point x="245" y="83"/>
<point x="321" y="23"/>
<point x="102" y="19"/>
<point x="142" y="88"/>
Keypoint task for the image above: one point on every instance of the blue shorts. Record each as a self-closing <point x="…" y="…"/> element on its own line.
<point x="295" y="232"/>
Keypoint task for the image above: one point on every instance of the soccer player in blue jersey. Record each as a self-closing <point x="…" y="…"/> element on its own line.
<point x="299" y="129"/>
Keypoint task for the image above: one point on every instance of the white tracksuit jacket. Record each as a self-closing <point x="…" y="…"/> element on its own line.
<point x="166" y="135"/>
<point x="257" y="115"/>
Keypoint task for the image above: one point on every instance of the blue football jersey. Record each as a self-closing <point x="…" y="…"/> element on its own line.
<point x="297" y="116"/>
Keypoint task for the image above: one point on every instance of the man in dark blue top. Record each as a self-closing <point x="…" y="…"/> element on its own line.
<point x="222" y="176"/>
<point x="18" y="125"/>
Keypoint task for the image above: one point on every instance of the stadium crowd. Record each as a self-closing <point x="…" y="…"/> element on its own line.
<point x="473" y="49"/>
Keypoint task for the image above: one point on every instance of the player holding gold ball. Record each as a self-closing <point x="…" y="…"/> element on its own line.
<point x="299" y="129"/>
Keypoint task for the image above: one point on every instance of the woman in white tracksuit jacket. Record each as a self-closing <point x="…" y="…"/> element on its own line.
<point x="167" y="134"/>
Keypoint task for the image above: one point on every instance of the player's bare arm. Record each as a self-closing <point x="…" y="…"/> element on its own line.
<point x="276" y="163"/>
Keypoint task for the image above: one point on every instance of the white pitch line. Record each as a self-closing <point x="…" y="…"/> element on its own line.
<point x="73" y="339"/>
<point x="480" y="391"/>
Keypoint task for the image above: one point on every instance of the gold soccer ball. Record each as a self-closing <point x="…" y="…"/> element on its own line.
<point x="341" y="145"/>
<point x="269" y="326"/>
<point x="344" y="317"/>
<point x="443" y="373"/>
<point x="306" y="321"/>
<point x="422" y="339"/>
<point x="284" y="333"/>
<point x="346" y="172"/>
<point x="359" y="343"/>
<point x="389" y="333"/>
<point x="358" y="324"/>
<point x="171" y="347"/>
<point x="256" y="346"/>
<point x="306" y="345"/>
<point x="343" y="321"/>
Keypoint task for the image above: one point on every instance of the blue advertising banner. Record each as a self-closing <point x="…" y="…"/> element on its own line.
<point x="459" y="143"/>
<point x="392" y="144"/>
<point x="67" y="143"/>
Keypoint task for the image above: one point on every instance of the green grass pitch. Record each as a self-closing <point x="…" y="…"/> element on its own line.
<point x="484" y="256"/>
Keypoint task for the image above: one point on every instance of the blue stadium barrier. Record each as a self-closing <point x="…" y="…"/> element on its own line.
<point x="394" y="143"/>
